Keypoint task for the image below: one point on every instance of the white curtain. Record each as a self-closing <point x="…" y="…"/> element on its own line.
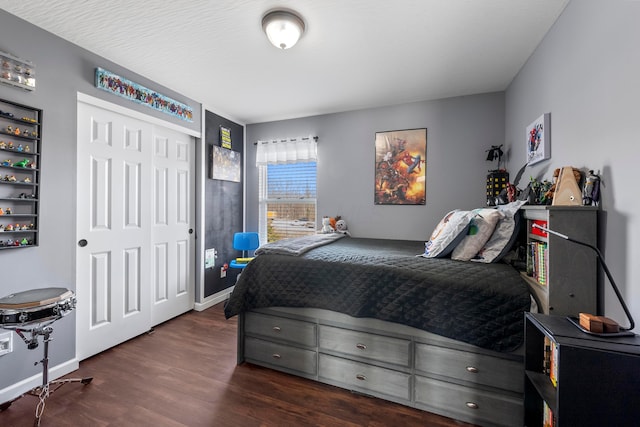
<point x="293" y="150"/>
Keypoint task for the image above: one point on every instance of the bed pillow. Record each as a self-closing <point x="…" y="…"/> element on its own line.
<point x="481" y="228"/>
<point x="447" y="234"/>
<point x="504" y="236"/>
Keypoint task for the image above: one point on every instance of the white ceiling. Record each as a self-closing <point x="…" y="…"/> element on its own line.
<point x="355" y="53"/>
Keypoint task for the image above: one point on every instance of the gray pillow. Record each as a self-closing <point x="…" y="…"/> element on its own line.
<point x="504" y="235"/>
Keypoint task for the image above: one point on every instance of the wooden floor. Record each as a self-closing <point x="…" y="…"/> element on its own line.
<point x="185" y="374"/>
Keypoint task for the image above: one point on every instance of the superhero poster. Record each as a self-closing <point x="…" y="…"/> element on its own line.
<point x="401" y="167"/>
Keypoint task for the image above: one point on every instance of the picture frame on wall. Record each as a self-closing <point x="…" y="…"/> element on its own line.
<point x="225" y="164"/>
<point x="539" y="140"/>
<point x="400" y="162"/>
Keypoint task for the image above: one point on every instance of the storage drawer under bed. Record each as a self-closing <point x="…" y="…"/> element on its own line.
<point x="468" y="404"/>
<point x="361" y="376"/>
<point x="381" y="348"/>
<point x="472" y="367"/>
<point x="298" y="332"/>
<point x="280" y="355"/>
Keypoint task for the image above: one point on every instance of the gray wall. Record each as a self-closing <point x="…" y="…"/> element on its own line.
<point x="62" y="69"/>
<point x="459" y="130"/>
<point x="586" y="73"/>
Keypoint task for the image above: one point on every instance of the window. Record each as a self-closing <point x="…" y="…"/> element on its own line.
<point x="287" y="200"/>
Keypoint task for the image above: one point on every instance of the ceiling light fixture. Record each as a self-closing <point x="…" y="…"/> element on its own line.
<point x="283" y="28"/>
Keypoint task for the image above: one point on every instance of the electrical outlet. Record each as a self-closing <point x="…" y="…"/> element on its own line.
<point x="6" y="343"/>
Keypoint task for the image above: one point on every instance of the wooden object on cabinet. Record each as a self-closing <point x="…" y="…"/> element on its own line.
<point x="572" y="284"/>
<point x="597" y="379"/>
<point x="567" y="192"/>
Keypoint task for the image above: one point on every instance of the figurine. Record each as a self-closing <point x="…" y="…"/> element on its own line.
<point x="10" y="145"/>
<point x="12" y="178"/>
<point x="24" y="227"/>
<point x="20" y="148"/>
<point x="7" y="163"/>
<point x="7" y="211"/>
<point x="9" y="129"/>
<point x="21" y="164"/>
<point x="1" y="211"/>
<point x="17" y="131"/>
<point x="24" y="242"/>
<point x="27" y="179"/>
<point x="9" y="227"/>
<point x="3" y="145"/>
<point x="1" y="228"/>
<point x="31" y="226"/>
<point x="27" y="149"/>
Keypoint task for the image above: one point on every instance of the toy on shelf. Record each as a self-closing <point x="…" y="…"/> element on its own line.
<point x="7" y="163"/>
<point x="21" y="164"/>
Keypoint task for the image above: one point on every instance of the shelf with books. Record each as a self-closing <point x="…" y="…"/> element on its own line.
<point x="562" y="277"/>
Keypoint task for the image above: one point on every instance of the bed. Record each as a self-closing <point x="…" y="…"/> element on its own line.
<point x="372" y="316"/>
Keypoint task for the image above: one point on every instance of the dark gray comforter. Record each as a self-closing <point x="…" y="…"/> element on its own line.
<point x="480" y="304"/>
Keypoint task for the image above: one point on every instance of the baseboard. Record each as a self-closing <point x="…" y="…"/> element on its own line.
<point x="15" y="390"/>
<point x="214" y="299"/>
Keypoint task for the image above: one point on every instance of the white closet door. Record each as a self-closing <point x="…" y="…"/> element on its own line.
<point x="135" y="209"/>
<point x="173" y="216"/>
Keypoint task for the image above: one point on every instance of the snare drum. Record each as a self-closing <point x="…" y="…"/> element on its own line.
<point x="35" y="306"/>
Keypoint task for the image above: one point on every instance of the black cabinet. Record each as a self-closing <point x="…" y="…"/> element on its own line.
<point x="597" y="380"/>
<point x="20" y="138"/>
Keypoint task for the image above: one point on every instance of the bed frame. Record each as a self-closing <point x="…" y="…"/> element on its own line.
<point x="387" y="360"/>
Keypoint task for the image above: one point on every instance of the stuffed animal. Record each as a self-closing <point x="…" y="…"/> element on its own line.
<point x="326" y="225"/>
<point x="341" y="227"/>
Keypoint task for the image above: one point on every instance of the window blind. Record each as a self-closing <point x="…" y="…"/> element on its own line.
<point x="287" y="200"/>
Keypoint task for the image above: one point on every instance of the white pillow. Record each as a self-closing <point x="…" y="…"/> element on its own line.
<point x="480" y="230"/>
<point x="447" y="234"/>
<point x="503" y="236"/>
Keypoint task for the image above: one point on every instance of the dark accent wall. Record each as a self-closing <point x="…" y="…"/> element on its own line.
<point x="223" y="201"/>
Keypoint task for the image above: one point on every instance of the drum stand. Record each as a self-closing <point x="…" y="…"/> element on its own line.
<point x="47" y="387"/>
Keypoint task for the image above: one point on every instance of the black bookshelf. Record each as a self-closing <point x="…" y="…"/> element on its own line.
<point x="597" y="379"/>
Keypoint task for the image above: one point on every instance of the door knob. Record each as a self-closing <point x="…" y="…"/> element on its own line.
<point x="82" y="243"/>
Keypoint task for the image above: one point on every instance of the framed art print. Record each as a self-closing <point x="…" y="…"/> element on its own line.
<point x="225" y="164"/>
<point x="539" y="140"/>
<point x="400" y="177"/>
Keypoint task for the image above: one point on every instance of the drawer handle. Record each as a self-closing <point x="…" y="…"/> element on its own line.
<point x="361" y="346"/>
<point x="361" y="377"/>
<point x="276" y="356"/>
<point x="473" y="369"/>
<point x="472" y="405"/>
<point x="276" y="329"/>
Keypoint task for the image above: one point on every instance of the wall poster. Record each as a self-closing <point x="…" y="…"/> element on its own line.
<point x="400" y="177"/>
<point x="225" y="164"/>
<point x="539" y="140"/>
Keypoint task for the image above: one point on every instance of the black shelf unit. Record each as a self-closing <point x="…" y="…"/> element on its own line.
<point x="597" y="379"/>
<point x="20" y="142"/>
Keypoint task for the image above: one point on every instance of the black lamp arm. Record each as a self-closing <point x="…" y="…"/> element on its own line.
<point x="604" y="267"/>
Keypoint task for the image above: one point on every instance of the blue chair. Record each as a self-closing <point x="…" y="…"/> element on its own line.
<point x="244" y="242"/>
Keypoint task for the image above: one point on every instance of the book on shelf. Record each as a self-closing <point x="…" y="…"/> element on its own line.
<point x="553" y="363"/>
<point x="537" y="261"/>
<point x="546" y="361"/>
<point x="548" y="419"/>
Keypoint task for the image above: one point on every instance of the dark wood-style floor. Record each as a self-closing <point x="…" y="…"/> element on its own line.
<point x="184" y="373"/>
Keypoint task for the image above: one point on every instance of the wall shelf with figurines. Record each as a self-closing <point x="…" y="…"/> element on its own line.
<point x="20" y="139"/>
<point x="17" y="72"/>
